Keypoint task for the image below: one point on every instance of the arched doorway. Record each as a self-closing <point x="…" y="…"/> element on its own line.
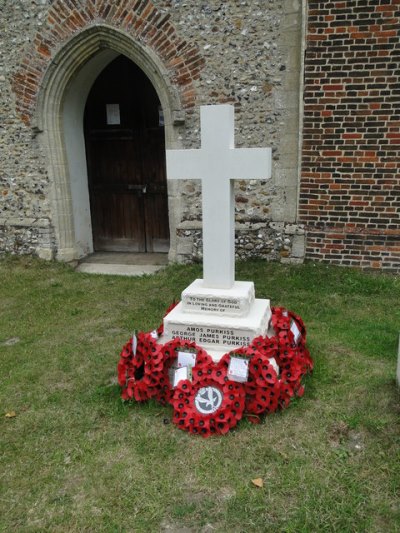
<point x="125" y="151"/>
<point x="59" y="120"/>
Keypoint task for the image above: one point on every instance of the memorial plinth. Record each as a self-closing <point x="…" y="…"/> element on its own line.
<point x="217" y="314"/>
<point x="219" y="320"/>
<point x="236" y="301"/>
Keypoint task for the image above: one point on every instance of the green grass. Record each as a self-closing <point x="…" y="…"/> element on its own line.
<point x="75" y="458"/>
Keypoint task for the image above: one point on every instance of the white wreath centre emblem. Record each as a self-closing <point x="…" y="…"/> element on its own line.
<point x="208" y="400"/>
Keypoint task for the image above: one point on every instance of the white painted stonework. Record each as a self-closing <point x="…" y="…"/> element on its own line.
<point x="217" y="163"/>
<point x="216" y="312"/>
<point x="237" y="301"/>
<point x="218" y="334"/>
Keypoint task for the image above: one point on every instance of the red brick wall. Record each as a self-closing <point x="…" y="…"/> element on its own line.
<point x="350" y="184"/>
<point x="139" y="18"/>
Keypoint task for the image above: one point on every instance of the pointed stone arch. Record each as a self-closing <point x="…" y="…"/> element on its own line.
<point x="59" y="120"/>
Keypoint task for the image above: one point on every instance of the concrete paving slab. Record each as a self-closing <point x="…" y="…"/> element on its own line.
<point x="127" y="258"/>
<point x="118" y="270"/>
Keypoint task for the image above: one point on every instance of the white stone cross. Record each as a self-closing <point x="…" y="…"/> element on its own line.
<point x="217" y="163"/>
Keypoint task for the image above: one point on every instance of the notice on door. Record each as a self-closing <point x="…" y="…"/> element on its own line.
<point x="113" y="116"/>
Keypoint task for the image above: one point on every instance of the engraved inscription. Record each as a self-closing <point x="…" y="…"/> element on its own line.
<point x="212" y="304"/>
<point x="209" y="335"/>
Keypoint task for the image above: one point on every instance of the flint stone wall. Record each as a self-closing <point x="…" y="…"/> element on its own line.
<point x="252" y="52"/>
<point x="25" y="215"/>
<point x="252" y="59"/>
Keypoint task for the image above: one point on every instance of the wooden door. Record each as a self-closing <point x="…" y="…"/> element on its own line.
<point x="125" y="150"/>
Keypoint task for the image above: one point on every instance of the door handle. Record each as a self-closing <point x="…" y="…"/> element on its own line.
<point x="140" y="188"/>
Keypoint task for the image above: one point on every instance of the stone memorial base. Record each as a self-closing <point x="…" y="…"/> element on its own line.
<point x="236" y="301"/>
<point x="218" y="320"/>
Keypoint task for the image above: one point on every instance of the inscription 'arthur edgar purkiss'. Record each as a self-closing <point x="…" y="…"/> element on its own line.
<point x="208" y="335"/>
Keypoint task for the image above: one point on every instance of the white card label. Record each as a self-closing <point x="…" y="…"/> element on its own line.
<point x="134" y="343"/>
<point x="274" y="364"/>
<point x="113" y="115"/>
<point x="154" y="334"/>
<point x="186" y="359"/>
<point x="295" y="330"/>
<point x="180" y="374"/>
<point x="238" y="369"/>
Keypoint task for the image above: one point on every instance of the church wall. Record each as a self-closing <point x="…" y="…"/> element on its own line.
<point x="250" y="54"/>
<point x="24" y="189"/>
<point x="246" y="53"/>
<point x="350" y="185"/>
<point x="252" y="59"/>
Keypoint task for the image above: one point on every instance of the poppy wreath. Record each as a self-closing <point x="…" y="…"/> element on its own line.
<point x="206" y="405"/>
<point x="290" y="347"/>
<point x="285" y="322"/>
<point x="170" y="352"/>
<point x="141" y="374"/>
<point x="293" y="356"/>
<point x="211" y="402"/>
<point x="262" y="387"/>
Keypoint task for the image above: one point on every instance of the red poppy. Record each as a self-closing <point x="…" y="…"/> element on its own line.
<point x="291" y="372"/>
<point x="286" y="393"/>
<point x="266" y="345"/>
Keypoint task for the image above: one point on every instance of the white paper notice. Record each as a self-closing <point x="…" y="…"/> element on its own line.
<point x="238" y="369"/>
<point x="274" y="364"/>
<point x="186" y="359"/>
<point x="179" y="375"/>
<point x="295" y="330"/>
<point x="113" y="115"/>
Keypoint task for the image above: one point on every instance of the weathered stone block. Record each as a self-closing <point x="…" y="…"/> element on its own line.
<point x="298" y="246"/>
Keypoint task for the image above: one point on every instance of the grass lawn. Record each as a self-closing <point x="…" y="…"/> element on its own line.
<point x="75" y="458"/>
